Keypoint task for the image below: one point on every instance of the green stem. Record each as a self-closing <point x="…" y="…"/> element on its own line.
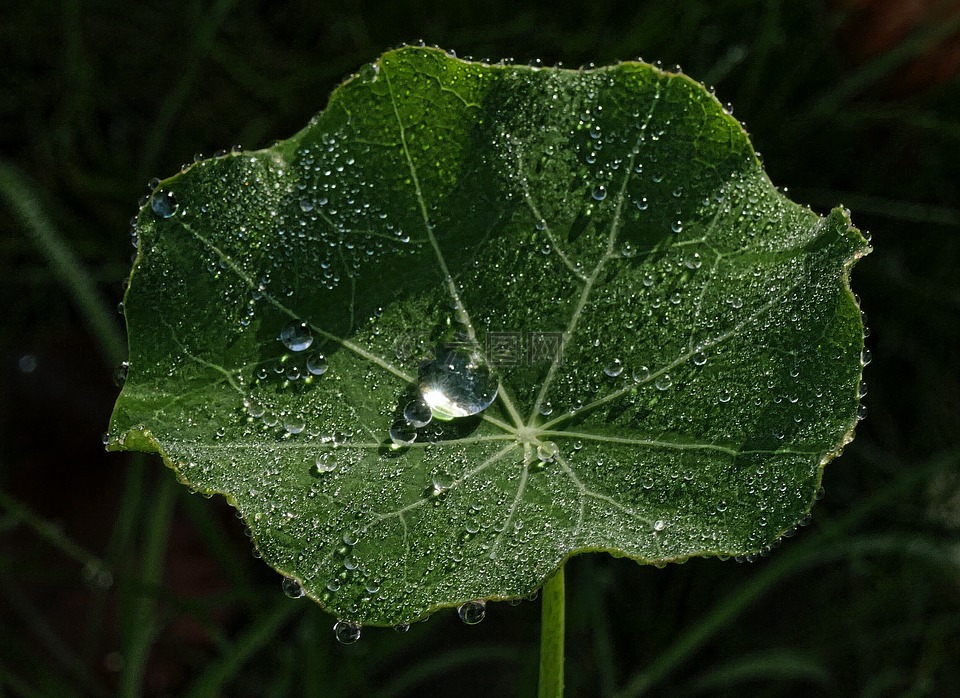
<point x="551" y="637"/>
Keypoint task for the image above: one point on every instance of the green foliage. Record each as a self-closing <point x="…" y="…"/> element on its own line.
<point x="673" y="345"/>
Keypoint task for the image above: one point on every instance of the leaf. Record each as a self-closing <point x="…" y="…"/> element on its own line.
<point x="671" y="347"/>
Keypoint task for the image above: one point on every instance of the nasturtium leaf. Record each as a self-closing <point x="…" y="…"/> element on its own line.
<point x="475" y="319"/>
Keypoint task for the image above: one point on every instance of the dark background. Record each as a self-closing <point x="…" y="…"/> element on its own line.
<point x="114" y="581"/>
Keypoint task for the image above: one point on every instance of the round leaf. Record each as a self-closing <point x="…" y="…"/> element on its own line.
<point x="475" y="319"/>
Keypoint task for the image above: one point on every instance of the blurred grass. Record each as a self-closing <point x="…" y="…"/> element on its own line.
<point x="116" y="580"/>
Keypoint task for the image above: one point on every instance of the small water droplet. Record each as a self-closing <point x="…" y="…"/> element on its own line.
<point x="317" y="364"/>
<point x="866" y="356"/>
<point x="417" y="413"/>
<point x="346" y="632"/>
<point x="164" y="204"/>
<point x="402" y="434"/>
<point x="120" y="373"/>
<point x="643" y="204"/>
<point x="692" y="261"/>
<point x="641" y="374"/>
<point x="699" y="359"/>
<point x="677" y="226"/>
<point x="472" y="612"/>
<point x="325" y="463"/>
<point x="306" y="206"/>
<point x="599" y="192"/>
<point x="663" y="382"/>
<point x="547" y="451"/>
<point x="296" y="336"/>
<point x="721" y="506"/>
<point x="291" y="587"/>
<point x="546" y="409"/>
<point x="614" y="368"/>
<point x="725" y="396"/>
<point x="401" y="627"/>
<point x="659" y="525"/>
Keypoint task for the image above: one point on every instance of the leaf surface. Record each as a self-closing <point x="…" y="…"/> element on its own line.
<point x="671" y="347"/>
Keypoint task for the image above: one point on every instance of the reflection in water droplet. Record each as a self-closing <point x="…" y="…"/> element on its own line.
<point x="164" y="204"/>
<point x="472" y="612"/>
<point x="296" y="337"/>
<point x="346" y="632"/>
<point x="643" y="204"/>
<point x="317" y="364"/>
<point x="417" y="413"/>
<point x="457" y="384"/>
<point x="599" y="192"/>
<point x="677" y="226"/>
<point x="292" y="588"/>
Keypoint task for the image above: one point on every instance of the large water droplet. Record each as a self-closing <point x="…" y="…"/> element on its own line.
<point x="346" y="632"/>
<point x="164" y="204"/>
<point x="472" y="612"/>
<point x="296" y="336"/>
<point x="457" y="384"/>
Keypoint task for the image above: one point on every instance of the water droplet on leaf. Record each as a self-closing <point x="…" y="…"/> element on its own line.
<point x="346" y="632"/>
<point x="457" y="384"/>
<point x="472" y="612"/>
<point x="296" y="337"/>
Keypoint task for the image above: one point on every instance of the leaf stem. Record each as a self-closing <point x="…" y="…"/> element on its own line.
<point x="551" y="637"/>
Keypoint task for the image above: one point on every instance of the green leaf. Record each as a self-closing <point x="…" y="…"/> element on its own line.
<point x="671" y="347"/>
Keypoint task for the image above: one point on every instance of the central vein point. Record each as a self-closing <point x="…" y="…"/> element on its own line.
<point x="528" y="435"/>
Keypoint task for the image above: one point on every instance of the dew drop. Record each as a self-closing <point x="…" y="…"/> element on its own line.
<point x="417" y="413"/>
<point x="725" y="396"/>
<point x="401" y="627"/>
<point x="402" y="434"/>
<point x="325" y="463"/>
<point x="317" y="364"/>
<point x="641" y="374"/>
<point x="599" y="192"/>
<point x="306" y="206"/>
<point x="659" y="525"/>
<point x="699" y="359"/>
<point x="457" y="383"/>
<point x="472" y="612"/>
<point x="296" y="336"/>
<point x="693" y="261"/>
<point x="663" y="382"/>
<point x="346" y="632"/>
<point x="547" y="451"/>
<point x="866" y="356"/>
<point x="643" y="204"/>
<point x="677" y="226"/>
<point x="291" y="587"/>
<point x="614" y="368"/>
<point x="120" y="373"/>
<point x="164" y="204"/>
